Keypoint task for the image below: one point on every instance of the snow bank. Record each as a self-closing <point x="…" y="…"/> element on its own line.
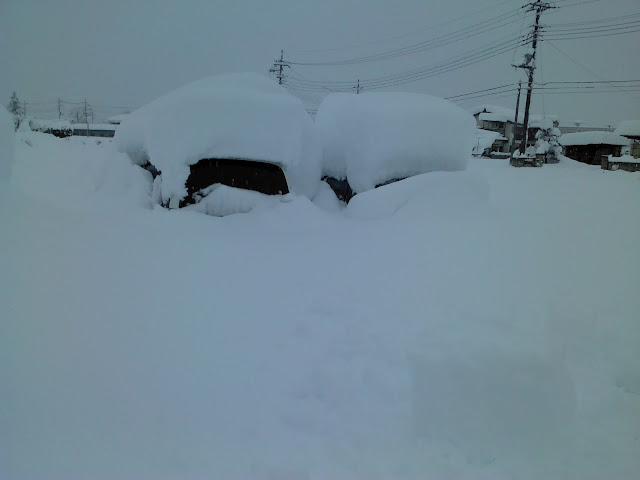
<point x="7" y="144"/>
<point x="243" y="116"/>
<point x="41" y="125"/>
<point x="628" y="128"/>
<point x="373" y="138"/>
<point x="592" y="138"/>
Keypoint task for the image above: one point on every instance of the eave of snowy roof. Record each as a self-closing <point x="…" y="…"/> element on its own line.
<point x="628" y="128"/>
<point x="592" y="138"/>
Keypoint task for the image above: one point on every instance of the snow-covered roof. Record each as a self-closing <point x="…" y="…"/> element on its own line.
<point x="484" y="139"/>
<point x="94" y="126"/>
<point x="628" y="128"/>
<point x="496" y="117"/>
<point x="624" y="159"/>
<point x="592" y="138"/>
<point x="496" y="109"/>
<point x="241" y="116"/>
<point x="376" y="137"/>
<point x="39" y="124"/>
<point x="542" y="121"/>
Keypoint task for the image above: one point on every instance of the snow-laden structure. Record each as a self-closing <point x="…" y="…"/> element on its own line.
<point x="628" y="128"/>
<point x="238" y="116"/>
<point x="593" y="138"/>
<point x="7" y="144"/>
<point x="373" y="138"/>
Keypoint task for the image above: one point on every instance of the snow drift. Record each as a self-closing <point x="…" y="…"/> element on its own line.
<point x="7" y="142"/>
<point x="373" y="138"/>
<point x="238" y="116"/>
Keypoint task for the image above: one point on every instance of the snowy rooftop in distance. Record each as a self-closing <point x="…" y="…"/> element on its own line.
<point x="238" y="116"/>
<point x="628" y="128"/>
<point x="496" y="113"/>
<point x="373" y="138"/>
<point x="592" y="138"/>
<point x="484" y="139"/>
<point x="117" y="119"/>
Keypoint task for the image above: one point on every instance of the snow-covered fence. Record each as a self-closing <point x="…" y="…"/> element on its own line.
<point x="624" y="162"/>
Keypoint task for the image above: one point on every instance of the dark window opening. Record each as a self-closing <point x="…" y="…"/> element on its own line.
<point x="261" y="177"/>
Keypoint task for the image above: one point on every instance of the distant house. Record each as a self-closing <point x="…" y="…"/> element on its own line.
<point x="631" y="129"/>
<point x="503" y="121"/>
<point x="497" y="119"/>
<point x="590" y="147"/>
<point x="94" y="130"/>
<point x="58" y="128"/>
<point x="488" y="143"/>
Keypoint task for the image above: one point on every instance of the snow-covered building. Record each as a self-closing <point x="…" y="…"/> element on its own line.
<point x="590" y="147"/>
<point x="372" y="139"/>
<point x="58" y="128"/>
<point x="117" y="119"/>
<point x="500" y="120"/>
<point x="210" y="142"/>
<point x="94" y="130"/>
<point x="631" y="130"/>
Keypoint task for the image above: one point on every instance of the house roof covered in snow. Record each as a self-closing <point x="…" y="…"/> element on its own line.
<point x="592" y="138"/>
<point x="117" y="119"/>
<point x="46" y="124"/>
<point x="628" y="128"/>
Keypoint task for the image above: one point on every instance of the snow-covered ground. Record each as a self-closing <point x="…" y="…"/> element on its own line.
<point x="476" y="324"/>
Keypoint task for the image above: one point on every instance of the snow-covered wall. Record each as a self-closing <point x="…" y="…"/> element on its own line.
<point x="372" y="138"/>
<point x="245" y="116"/>
<point x="7" y="144"/>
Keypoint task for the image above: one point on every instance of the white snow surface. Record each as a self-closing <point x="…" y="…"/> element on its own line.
<point x="40" y="124"/>
<point x="242" y="116"/>
<point x="373" y="138"/>
<point x="624" y="159"/>
<point x="628" y="128"/>
<point x="592" y="138"/>
<point x="7" y="143"/>
<point x="444" y="326"/>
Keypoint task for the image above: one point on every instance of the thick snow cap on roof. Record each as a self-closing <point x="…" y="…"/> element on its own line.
<point x="241" y="116"/>
<point x="7" y="144"/>
<point x="373" y="138"/>
<point x="628" y="128"/>
<point x="38" y="124"/>
<point x="484" y="139"/>
<point x="592" y="138"/>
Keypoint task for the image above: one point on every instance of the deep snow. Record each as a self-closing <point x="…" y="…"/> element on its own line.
<point x="241" y="116"/>
<point x="377" y="137"/>
<point x="478" y="324"/>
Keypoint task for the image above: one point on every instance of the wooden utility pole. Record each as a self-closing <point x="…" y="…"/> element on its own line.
<point x="357" y="87"/>
<point x="515" y="120"/>
<point x="278" y="68"/>
<point x="530" y="65"/>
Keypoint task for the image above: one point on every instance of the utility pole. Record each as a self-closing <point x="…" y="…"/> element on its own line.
<point x="530" y="64"/>
<point x="24" y="109"/>
<point x="515" y="121"/>
<point x="59" y="108"/>
<point x="357" y="87"/>
<point x="86" y="115"/>
<point x="278" y="68"/>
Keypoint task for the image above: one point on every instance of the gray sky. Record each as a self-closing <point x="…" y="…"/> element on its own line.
<point x="123" y="53"/>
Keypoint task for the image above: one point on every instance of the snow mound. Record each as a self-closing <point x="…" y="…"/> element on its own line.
<point x="7" y="144"/>
<point x="373" y="138"/>
<point x="221" y="200"/>
<point x="592" y="138"/>
<point x="239" y="116"/>
<point x="628" y="128"/>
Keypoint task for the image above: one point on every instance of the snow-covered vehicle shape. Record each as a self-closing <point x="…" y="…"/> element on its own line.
<point x="223" y="143"/>
<point x="373" y="139"/>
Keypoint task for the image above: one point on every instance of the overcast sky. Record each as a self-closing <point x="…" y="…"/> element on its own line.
<point x="123" y="53"/>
